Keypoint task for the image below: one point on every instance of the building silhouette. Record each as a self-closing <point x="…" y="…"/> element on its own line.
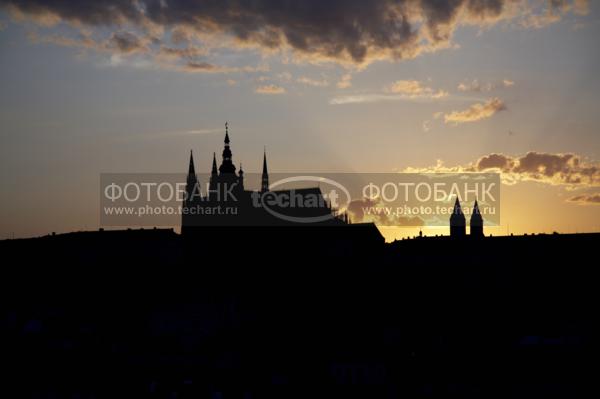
<point x="458" y="225"/>
<point x="476" y="222"/>
<point x="228" y="203"/>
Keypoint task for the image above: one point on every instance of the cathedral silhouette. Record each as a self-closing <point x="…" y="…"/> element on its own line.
<point x="227" y="202"/>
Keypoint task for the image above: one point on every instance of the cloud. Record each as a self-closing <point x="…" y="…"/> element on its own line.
<point x="554" y="11"/>
<point x="177" y="53"/>
<point x="476" y="112"/>
<point x="207" y="67"/>
<point x="379" y="97"/>
<point x="201" y="67"/>
<point x="80" y="41"/>
<point x="270" y="89"/>
<point x="550" y="168"/>
<point x="414" y="88"/>
<point x="406" y="87"/>
<point x="581" y="7"/>
<point x="126" y="42"/>
<point x="345" y="81"/>
<point x="478" y="87"/>
<point x="355" y="32"/>
<point x="400" y="90"/>
<point x="312" y="82"/>
<point x="585" y="199"/>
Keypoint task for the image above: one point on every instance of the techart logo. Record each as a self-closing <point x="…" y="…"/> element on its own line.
<point x="321" y="202"/>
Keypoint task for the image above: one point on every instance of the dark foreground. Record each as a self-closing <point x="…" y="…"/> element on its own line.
<point x="296" y="315"/>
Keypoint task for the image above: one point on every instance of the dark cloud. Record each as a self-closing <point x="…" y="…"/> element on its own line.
<point x="556" y="169"/>
<point x="355" y="31"/>
<point x="201" y="66"/>
<point x="126" y="42"/>
<point x="586" y="199"/>
<point x="187" y="53"/>
<point x="98" y="12"/>
<point x="495" y="161"/>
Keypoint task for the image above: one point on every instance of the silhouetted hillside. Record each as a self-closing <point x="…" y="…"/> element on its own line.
<point x="297" y="313"/>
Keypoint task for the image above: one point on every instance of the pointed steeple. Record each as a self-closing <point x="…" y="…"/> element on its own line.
<point x="264" y="186"/>
<point x="457" y="208"/>
<point x="214" y="176"/>
<point x="476" y="222"/>
<point x="214" y="164"/>
<point x="192" y="186"/>
<point x="191" y="169"/>
<point x="241" y="177"/>
<point x="457" y="221"/>
<point x="476" y="209"/>
<point x="265" y="172"/>
<point x="227" y="167"/>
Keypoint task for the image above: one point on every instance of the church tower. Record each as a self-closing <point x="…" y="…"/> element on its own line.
<point x="227" y="178"/>
<point x="192" y="195"/>
<point x="241" y="178"/>
<point x="264" y="185"/>
<point x="227" y="167"/>
<point x="214" y="178"/>
<point x="476" y="222"/>
<point x="457" y="221"/>
<point x="192" y="188"/>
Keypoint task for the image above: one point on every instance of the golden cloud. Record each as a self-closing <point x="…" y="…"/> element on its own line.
<point x="555" y="169"/>
<point x="476" y="86"/>
<point x="270" y="89"/>
<point x="414" y="88"/>
<point x="476" y="112"/>
<point x="345" y="81"/>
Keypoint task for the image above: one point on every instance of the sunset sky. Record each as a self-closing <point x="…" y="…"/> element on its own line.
<point x="347" y="86"/>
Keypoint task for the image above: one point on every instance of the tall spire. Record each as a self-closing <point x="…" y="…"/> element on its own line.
<point x="457" y="221"/>
<point x="227" y="166"/>
<point x="214" y="176"/>
<point x="264" y="186"/>
<point x="265" y="162"/>
<point x="192" y="186"/>
<point x="476" y="209"/>
<point x="241" y="177"/>
<point x="476" y="222"/>
<point x="457" y="208"/>
<point x="214" y="164"/>
<point x="191" y="169"/>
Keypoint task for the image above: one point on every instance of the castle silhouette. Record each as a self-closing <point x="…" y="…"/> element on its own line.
<point x="229" y="203"/>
